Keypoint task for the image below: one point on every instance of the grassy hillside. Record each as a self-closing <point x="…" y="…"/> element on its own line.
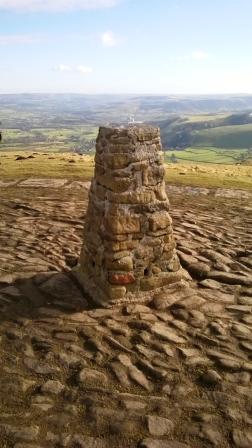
<point x="205" y="117"/>
<point x="239" y="136"/>
<point x="209" y="155"/>
<point x="54" y="139"/>
<point x="75" y="166"/>
<point x="223" y="131"/>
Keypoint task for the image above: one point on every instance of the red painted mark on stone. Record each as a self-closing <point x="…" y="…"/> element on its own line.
<point x="121" y="279"/>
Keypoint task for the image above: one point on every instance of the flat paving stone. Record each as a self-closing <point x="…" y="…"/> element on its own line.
<point x="172" y="373"/>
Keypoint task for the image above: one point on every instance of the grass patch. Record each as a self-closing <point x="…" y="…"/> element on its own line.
<point x="204" y="117"/>
<point x="214" y="176"/>
<point x="237" y="136"/>
<point x="50" y="139"/>
<point x="209" y="155"/>
<point x="58" y="165"/>
<point x="53" y="165"/>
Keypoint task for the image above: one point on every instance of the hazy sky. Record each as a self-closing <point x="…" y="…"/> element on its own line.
<point x="126" y="46"/>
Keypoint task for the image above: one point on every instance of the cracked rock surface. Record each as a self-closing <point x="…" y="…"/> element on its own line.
<point x="172" y="373"/>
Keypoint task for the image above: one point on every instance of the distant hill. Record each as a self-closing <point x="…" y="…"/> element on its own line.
<point x="215" y="138"/>
<point x="224" y="137"/>
<point x="230" y="131"/>
<point x="96" y="109"/>
<point x="69" y="122"/>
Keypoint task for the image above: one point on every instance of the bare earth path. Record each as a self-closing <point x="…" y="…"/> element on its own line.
<point x="173" y="374"/>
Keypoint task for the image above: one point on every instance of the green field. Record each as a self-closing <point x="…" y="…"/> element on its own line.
<point x="81" y="167"/>
<point x="224" y="137"/>
<point x="204" y="117"/>
<point x="194" y="129"/>
<point x="209" y="155"/>
<point x="45" y="165"/>
<point x="58" y="139"/>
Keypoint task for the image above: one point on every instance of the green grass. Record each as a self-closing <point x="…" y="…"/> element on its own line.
<point x="50" y="139"/>
<point x="210" y="176"/>
<point x="204" y="117"/>
<point x="52" y="165"/>
<point x="239" y="136"/>
<point x="57" y="165"/>
<point x="208" y="155"/>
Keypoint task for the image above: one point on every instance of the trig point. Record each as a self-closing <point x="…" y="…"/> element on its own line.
<point x="129" y="251"/>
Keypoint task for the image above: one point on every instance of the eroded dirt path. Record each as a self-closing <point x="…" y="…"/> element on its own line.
<point x="173" y="374"/>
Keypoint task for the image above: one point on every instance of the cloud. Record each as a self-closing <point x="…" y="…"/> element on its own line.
<point x="62" y="68"/>
<point x="55" y="5"/>
<point x="199" y="55"/>
<point x="108" y="39"/>
<point x="13" y="39"/>
<point x="83" y="69"/>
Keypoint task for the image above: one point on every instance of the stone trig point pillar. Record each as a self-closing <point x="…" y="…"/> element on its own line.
<point x="129" y="251"/>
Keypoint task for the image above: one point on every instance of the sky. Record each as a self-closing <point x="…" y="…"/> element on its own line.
<point x="126" y="46"/>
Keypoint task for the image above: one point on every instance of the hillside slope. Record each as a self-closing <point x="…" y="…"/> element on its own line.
<point x="224" y="137"/>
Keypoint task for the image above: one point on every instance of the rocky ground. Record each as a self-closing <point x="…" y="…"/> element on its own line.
<point x="175" y="373"/>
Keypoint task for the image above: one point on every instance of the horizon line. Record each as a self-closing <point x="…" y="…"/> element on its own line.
<point x="128" y="94"/>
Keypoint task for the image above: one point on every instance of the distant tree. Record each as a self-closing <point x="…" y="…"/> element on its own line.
<point x="174" y="158"/>
<point x="242" y="157"/>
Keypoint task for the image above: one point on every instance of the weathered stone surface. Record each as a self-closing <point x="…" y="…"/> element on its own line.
<point x="40" y="367"/>
<point x="159" y="220"/>
<point x="167" y="333"/>
<point x="242" y="439"/>
<point x="120" y="224"/>
<point x="160" y="377"/>
<point x="155" y="443"/>
<point x="25" y="434"/>
<point x="159" y="426"/>
<point x="116" y="292"/>
<point x="43" y="183"/>
<point x="122" y="264"/>
<point x="121" y="279"/>
<point x="230" y="278"/>
<point x="87" y="376"/>
<point x="128" y="211"/>
<point x="52" y="387"/>
<point x="211" y="378"/>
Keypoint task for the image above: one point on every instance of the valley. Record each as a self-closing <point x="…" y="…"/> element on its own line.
<point x="193" y="129"/>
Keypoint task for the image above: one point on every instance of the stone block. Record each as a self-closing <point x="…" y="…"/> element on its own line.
<point x="144" y="134"/>
<point x="121" y="224"/>
<point x="162" y="279"/>
<point x="153" y="175"/>
<point x="116" y="278"/>
<point x="161" y="232"/>
<point x="140" y="166"/>
<point x="159" y="221"/>
<point x="117" y="255"/>
<point x="120" y="246"/>
<point x="160" y="192"/>
<point x="170" y="246"/>
<point x="116" y="292"/>
<point x="123" y="264"/>
<point x="99" y="170"/>
<point x="121" y="148"/>
<point x="149" y="283"/>
<point x="117" y="160"/>
<point x="113" y="183"/>
<point x="99" y="192"/>
<point x="113" y="237"/>
<point x="132" y="197"/>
